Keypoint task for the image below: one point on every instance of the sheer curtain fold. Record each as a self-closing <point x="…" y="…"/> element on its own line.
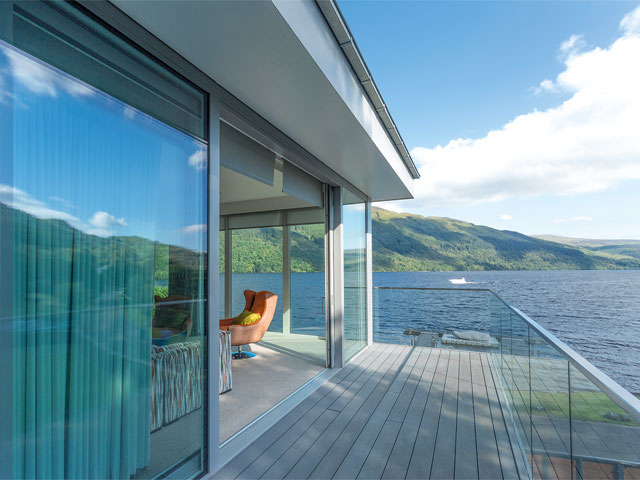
<point x="83" y="306"/>
<point x="82" y="318"/>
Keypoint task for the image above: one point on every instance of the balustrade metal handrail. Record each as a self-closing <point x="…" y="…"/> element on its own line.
<point x="622" y="397"/>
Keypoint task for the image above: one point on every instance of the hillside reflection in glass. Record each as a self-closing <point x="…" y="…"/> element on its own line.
<point x="355" y="280"/>
<point x="104" y="244"/>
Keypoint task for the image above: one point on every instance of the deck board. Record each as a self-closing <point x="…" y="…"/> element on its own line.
<point x="400" y="457"/>
<point x="487" y="446"/>
<point x="292" y="424"/>
<point x="328" y="465"/>
<point x="395" y="412"/>
<point x="360" y="389"/>
<point x="423" y="448"/>
<point x="443" y="465"/>
<point x="307" y="462"/>
<point x="466" y="459"/>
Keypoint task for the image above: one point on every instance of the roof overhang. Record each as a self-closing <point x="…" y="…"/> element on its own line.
<point x="282" y="59"/>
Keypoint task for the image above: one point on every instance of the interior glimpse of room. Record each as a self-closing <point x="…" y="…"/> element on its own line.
<point x="272" y="216"/>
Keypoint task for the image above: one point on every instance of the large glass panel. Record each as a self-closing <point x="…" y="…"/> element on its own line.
<point x="428" y="317"/>
<point x="257" y="265"/>
<point x="355" y="278"/>
<point x="605" y="438"/>
<point x="550" y="455"/>
<point x="103" y="213"/>
<point x="307" y="280"/>
<point x="307" y="304"/>
<point x="520" y="385"/>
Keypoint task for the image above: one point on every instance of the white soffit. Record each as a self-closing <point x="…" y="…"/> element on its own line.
<point x="282" y="60"/>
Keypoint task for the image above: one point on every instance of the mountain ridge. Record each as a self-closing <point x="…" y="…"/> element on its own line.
<point x="586" y="242"/>
<point x="411" y="242"/>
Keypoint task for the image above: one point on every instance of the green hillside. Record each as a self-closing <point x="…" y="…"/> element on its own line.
<point x="632" y="250"/>
<point x="259" y="250"/>
<point x="629" y="248"/>
<point x="407" y="242"/>
<point x="587" y="242"/>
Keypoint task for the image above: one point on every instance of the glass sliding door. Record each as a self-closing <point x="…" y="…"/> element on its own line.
<point x="307" y="302"/>
<point x="103" y="214"/>
<point x="355" y="274"/>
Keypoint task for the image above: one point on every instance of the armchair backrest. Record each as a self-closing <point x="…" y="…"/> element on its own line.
<point x="249" y="295"/>
<point x="264" y="303"/>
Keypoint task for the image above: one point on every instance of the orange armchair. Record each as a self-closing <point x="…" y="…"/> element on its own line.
<point x="264" y="304"/>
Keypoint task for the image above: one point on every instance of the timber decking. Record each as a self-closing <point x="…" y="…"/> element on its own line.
<point x="394" y="412"/>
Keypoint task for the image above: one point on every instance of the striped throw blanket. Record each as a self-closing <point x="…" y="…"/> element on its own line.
<point x="176" y="379"/>
<point x="225" y="361"/>
<point x="176" y="382"/>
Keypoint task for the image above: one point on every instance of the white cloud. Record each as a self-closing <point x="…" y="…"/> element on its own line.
<point x="391" y="206"/>
<point x="573" y="45"/>
<point x="198" y="159"/>
<point x="62" y="201"/>
<point x="129" y="112"/>
<point x="4" y="94"/>
<point x="573" y="219"/>
<point x="106" y="220"/>
<point x="40" y="79"/>
<point x="506" y="216"/>
<point x="546" y="85"/>
<point x="189" y="229"/>
<point x="588" y="143"/>
<point x="630" y="24"/>
<point x="101" y="223"/>
<point x="104" y="224"/>
<point x="20" y="200"/>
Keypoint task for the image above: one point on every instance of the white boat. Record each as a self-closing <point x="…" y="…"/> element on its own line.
<point x="458" y="281"/>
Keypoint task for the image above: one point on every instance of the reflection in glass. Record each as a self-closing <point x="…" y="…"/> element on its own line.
<point x="604" y="436"/>
<point x="355" y="281"/>
<point x="103" y="208"/>
<point x="550" y="442"/>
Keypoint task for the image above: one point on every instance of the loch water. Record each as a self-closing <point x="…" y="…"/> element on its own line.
<point x="597" y="313"/>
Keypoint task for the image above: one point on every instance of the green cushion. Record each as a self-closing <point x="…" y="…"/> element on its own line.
<point x="246" y="318"/>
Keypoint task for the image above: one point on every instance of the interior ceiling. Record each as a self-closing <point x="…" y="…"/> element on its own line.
<point x="242" y="194"/>
<point x="235" y="187"/>
<point x="251" y="50"/>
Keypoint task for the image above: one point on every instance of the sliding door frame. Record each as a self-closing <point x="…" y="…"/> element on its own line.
<point x="212" y="423"/>
<point x="335" y="281"/>
<point x="369" y="272"/>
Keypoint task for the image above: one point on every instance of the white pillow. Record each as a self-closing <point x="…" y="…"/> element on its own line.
<point x="472" y="335"/>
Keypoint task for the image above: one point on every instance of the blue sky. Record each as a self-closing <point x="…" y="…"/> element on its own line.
<point x="459" y="70"/>
<point x="105" y="168"/>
